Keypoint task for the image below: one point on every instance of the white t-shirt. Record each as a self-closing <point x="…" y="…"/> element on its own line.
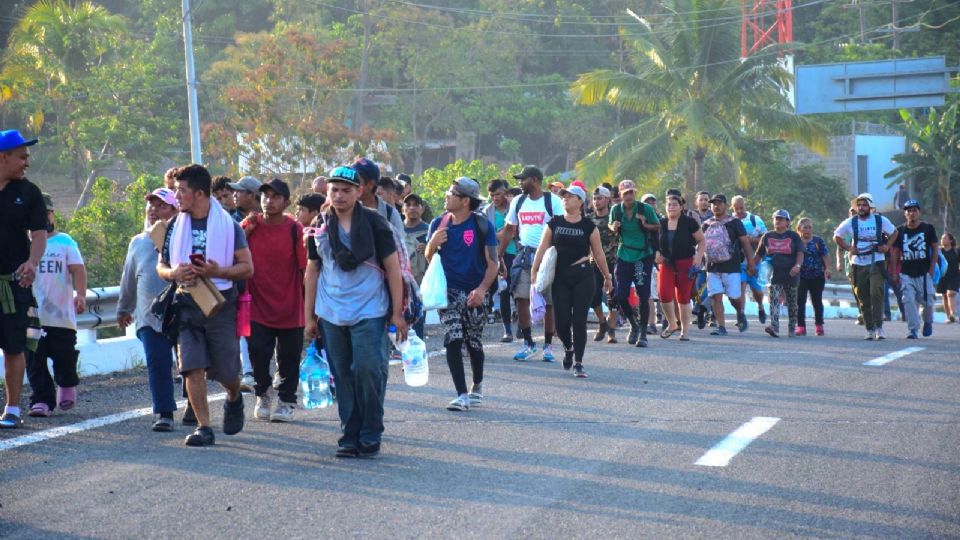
<point x="533" y="217"/>
<point x="867" y="237"/>
<point x="53" y="287"/>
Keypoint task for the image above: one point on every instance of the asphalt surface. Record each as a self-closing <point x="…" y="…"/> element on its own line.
<point x="859" y="452"/>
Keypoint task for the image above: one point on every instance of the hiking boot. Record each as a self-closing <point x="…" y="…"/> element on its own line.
<point x="927" y="329"/>
<point x="283" y="412"/>
<point x="634" y="335"/>
<point x="233" y="416"/>
<point x="801" y="330"/>
<point x="770" y="330"/>
<point x="762" y="315"/>
<point x="526" y="352"/>
<point x="476" y="394"/>
<point x="819" y="328"/>
<point x="612" y="335"/>
<point x="601" y="332"/>
<point x="202" y="436"/>
<point x="262" y="410"/>
<point x="548" y="354"/>
<point x="459" y="404"/>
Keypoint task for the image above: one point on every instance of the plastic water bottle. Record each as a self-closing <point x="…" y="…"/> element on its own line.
<point x="415" y="368"/>
<point x="315" y="380"/>
<point x="764" y="273"/>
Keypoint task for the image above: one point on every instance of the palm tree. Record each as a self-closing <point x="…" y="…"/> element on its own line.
<point x="934" y="160"/>
<point x="693" y="94"/>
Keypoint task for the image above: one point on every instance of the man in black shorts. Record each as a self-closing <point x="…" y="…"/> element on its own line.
<point x="21" y="211"/>
<point x="205" y="241"/>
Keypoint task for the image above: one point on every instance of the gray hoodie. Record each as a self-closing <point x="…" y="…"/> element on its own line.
<point x="140" y="283"/>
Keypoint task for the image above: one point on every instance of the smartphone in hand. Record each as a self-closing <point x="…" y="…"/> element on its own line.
<point x="197" y="259"/>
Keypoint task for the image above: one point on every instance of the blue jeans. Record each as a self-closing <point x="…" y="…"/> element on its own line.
<point x="159" y="352"/>
<point x="358" y="358"/>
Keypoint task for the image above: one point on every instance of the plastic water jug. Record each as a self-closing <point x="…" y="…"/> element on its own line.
<point x="315" y="380"/>
<point x="764" y="273"/>
<point x="415" y="368"/>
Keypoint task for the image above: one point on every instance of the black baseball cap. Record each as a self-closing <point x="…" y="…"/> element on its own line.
<point x="529" y="172"/>
<point x="278" y="186"/>
<point x="719" y="197"/>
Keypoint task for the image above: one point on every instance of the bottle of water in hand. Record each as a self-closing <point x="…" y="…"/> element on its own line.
<point x="315" y="380"/>
<point x="415" y="368"/>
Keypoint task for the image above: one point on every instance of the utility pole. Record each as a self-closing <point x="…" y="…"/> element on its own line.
<point x="195" y="156"/>
<point x="361" y="96"/>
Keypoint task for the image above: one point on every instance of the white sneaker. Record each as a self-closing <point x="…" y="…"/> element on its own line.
<point x="283" y="412"/>
<point x="476" y="394"/>
<point x="881" y="334"/>
<point x="460" y="403"/>
<point x="262" y="410"/>
<point x="871" y="335"/>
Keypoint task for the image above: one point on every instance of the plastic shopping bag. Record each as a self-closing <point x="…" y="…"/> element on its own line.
<point x="548" y="268"/>
<point x="538" y="306"/>
<point x="433" y="288"/>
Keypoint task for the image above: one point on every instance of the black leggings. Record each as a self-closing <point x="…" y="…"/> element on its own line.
<point x="814" y="286"/>
<point x="572" y="295"/>
<point x="455" y="363"/>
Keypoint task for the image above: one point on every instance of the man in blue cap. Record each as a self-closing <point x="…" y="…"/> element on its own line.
<point x="22" y="210"/>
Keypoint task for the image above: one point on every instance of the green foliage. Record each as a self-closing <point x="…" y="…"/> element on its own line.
<point x="435" y="182"/>
<point x="104" y="227"/>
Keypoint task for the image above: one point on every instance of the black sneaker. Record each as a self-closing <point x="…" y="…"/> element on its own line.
<point x="773" y="332"/>
<point x="346" y="452"/>
<point x="233" y="416"/>
<point x="189" y="417"/>
<point x="762" y="315"/>
<point x="367" y="451"/>
<point x="633" y="335"/>
<point x="720" y="331"/>
<point x="702" y="318"/>
<point x="567" y="359"/>
<point x="163" y="425"/>
<point x="202" y="436"/>
<point x="601" y="333"/>
<point x="578" y="372"/>
<point x="642" y="342"/>
<point x="742" y="324"/>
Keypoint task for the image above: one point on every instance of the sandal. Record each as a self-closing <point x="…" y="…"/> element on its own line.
<point x="66" y="398"/>
<point x="667" y="332"/>
<point x="39" y="410"/>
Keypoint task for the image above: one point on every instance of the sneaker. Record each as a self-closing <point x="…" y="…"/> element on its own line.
<point x="39" y="410"/>
<point x="347" y="452"/>
<point x="719" y="331"/>
<point x="476" y="394"/>
<point x="881" y="334"/>
<point x="247" y="383"/>
<point x="283" y="412"/>
<point x="526" y="352"/>
<point x="519" y="334"/>
<point x="642" y="342"/>
<point x="567" y="360"/>
<point x="368" y="451"/>
<point x="163" y="425"/>
<point x="871" y="335"/>
<point x="233" y="416"/>
<point x="791" y="332"/>
<point x="578" y="371"/>
<point x="460" y="403"/>
<point x="634" y="335"/>
<point x="652" y="329"/>
<point x="202" y="436"/>
<point x="927" y="329"/>
<point x="701" y="318"/>
<point x="770" y="330"/>
<point x="819" y="328"/>
<point x="10" y="421"/>
<point x="189" y="417"/>
<point x="601" y="332"/>
<point x="548" y="354"/>
<point x="507" y="338"/>
<point x="762" y="315"/>
<point x="66" y="398"/>
<point x="801" y="330"/>
<point x="612" y="335"/>
<point x="912" y="335"/>
<point x="742" y="323"/>
<point x="262" y="410"/>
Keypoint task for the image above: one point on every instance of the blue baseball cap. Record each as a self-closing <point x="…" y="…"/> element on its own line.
<point x="367" y="169"/>
<point x="912" y="203"/>
<point x="12" y="138"/>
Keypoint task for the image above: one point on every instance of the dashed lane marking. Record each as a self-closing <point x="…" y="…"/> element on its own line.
<point x="887" y="358"/>
<point x="724" y="451"/>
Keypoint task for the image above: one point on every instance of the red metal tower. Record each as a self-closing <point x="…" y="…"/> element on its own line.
<point x="765" y="22"/>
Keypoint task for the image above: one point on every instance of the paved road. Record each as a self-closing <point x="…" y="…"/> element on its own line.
<point x="858" y="452"/>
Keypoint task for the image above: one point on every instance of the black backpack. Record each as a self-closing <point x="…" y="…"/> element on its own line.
<point x="547" y="203"/>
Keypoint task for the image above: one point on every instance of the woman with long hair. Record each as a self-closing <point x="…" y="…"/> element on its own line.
<point x="950" y="281"/>
<point x="575" y="240"/>
<point x="814" y="274"/>
<point x="681" y="252"/>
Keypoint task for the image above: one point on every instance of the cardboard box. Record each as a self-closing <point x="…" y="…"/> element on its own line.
<point x="204" y="292"/>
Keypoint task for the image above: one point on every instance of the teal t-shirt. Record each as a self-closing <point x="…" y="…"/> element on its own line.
<point x="500" y="219"/>
<point x="634" y="242"/>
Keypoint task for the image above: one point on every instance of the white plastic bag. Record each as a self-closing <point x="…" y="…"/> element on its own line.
<point x="433" y="288"/>
<point x="548" y="268"/>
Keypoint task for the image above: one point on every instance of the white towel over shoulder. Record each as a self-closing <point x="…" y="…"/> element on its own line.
<point x="221" y="237"/>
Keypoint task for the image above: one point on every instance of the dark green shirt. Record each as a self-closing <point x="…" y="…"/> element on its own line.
<point x="634" y="239"/>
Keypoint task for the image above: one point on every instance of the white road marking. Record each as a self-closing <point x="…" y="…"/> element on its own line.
<point x="721" y="454"/>
<point x="93" y="423"/>
<point x="887" y="358"/>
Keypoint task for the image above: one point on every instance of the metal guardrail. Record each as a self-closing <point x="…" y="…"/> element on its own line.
<point x="101" y="309"/>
